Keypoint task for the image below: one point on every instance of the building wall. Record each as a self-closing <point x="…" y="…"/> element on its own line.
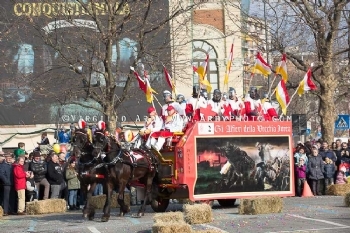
<point x="216" y="23"/>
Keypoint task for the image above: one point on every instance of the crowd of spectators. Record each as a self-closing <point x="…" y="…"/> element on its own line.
<point x="321" y="164"/>
<point x="30" y="177"/>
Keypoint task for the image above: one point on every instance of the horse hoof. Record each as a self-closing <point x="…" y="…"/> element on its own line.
<point x="121" y="214"/>
<point x="136" y="215"/>
<point x="85" y="216"/>
<point x="91" y="218"/>
<point x="104" y="219"/>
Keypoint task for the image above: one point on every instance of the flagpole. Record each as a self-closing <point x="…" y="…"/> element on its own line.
<point x="157" y="101"/>
<point x="268" y="94"/>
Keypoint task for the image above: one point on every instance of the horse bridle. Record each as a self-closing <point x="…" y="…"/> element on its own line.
<point x="85" y="141"/>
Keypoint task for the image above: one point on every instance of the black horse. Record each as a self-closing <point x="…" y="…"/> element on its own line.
<point x="88" y="174"/>
<point x="125" y="167"/>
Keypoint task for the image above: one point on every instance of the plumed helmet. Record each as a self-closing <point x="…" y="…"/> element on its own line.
<point x="101" y="125"/>
<point x="217" y="95"/>
<point x="204" y="93"/>
<point x="82" y="124"/>
<point x="231" y="91"/>
<point x="166" y="93"/>
<point x="195" y="90"/>
<point x="253" y="89"/>
<point x="180" y="98"/>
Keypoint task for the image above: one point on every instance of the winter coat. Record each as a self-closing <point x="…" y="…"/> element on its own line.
<point x="330" y="154"/>
<point x="341" y="178"/>
<point x="315" y="168"/>
<point x="300" y="171"/>
<point x="54" y="173"/>
<point x="30" y="186"/>
<point x="6" y="173"/>
<point x="297" y="156"/>
<point x="329" y="170"/>
<point x="39" y="170"/>
<point x="19" y="176"/>
<point x="73" y="181"/>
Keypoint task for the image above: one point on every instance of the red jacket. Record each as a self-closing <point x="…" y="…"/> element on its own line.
<point x="19" y="177"/>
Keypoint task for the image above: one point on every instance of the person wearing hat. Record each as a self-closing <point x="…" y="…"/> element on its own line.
<point x="269" y="112"/>
<point x="341" y="178"/>
<point x="216" y="103"/>
<point x="19" y="179"/>
<point x="237" y="105"/>
<point x="168" y="99"/>
<point x="173" y="123"/>
<point x="194" y="103"/>
<point x="39" y="169"/>
<point x="20" y="151"/>
<point x="153" y="124"/>
<point x="252" y="104"/>
<point x="6" y="178"/>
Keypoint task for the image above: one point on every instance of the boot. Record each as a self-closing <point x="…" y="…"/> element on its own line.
<point x="76" y="207"/>
<point x="71" y="208"/>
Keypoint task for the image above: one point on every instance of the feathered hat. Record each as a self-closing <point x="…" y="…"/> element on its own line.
<point x="101" y="125"/>
<point x="81" y="124"/>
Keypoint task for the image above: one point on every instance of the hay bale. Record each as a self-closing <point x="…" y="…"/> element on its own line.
<point x="46" y="206"/>
<point x="338" y="189"/>
<point x="1" y="212"/>
<point x="171" y="227"/>
<point x="98" y="202"/>
<point x="198" y="213"/>
<point x="168" y="217"/>
<point x="260" y="205"/>
<point x="185" y="201"/>
<point x="347" y="199"/>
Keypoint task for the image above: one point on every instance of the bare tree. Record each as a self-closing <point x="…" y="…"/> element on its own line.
<point x="87" y="47"/>
<point x="320" y="29"/>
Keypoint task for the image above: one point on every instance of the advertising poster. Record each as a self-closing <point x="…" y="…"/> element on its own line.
<point x="238" y="159"/>
<point x="52" y="50"/>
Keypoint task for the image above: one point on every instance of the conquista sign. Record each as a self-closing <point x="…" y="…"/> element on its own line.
<point x="37" y="9"/>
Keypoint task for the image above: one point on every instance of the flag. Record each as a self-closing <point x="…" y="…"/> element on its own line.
<point x="306" y="84"/>
<point x="168" y="78"/>
<point x="142" y="84"/>
<point x="282" y="68"/>
<point x="202" y="71"/>
<point x="149" y="91"/>
<point x="261" y="65"/>
<point x="228" y="67"/>
<point x="282" y="96"/>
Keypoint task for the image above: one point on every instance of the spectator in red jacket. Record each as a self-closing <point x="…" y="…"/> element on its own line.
<point x="19" y="178"/>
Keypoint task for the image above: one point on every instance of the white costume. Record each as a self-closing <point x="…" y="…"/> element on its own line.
<point x="177" y="107"/>
<point x="155" y="125"/>
<point x="174" y="124"/>
<point x="217" y="107"/>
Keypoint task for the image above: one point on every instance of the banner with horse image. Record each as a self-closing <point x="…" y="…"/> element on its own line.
<point x="238" y="159"/>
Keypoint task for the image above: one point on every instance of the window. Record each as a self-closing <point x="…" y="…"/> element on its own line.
<point x="200" y="48"/>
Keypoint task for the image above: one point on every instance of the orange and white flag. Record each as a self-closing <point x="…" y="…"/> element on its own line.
<point x="282" y="68"/>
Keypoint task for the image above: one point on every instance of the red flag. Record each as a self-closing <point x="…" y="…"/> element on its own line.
<point x="168" y="78"/>
<point x="142" y="84"/>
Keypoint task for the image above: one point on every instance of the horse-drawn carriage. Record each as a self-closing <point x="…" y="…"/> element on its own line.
<point x="218" y="160"/>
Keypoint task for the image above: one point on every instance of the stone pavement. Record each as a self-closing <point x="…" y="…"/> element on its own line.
<point x="315" y="214"/>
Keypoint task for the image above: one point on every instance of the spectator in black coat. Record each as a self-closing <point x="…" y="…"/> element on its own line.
<point x="39" y="169"/>
<point x="315" y="170"/>
<point x="6" y="178"/>
<point x="54" y="176"/>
